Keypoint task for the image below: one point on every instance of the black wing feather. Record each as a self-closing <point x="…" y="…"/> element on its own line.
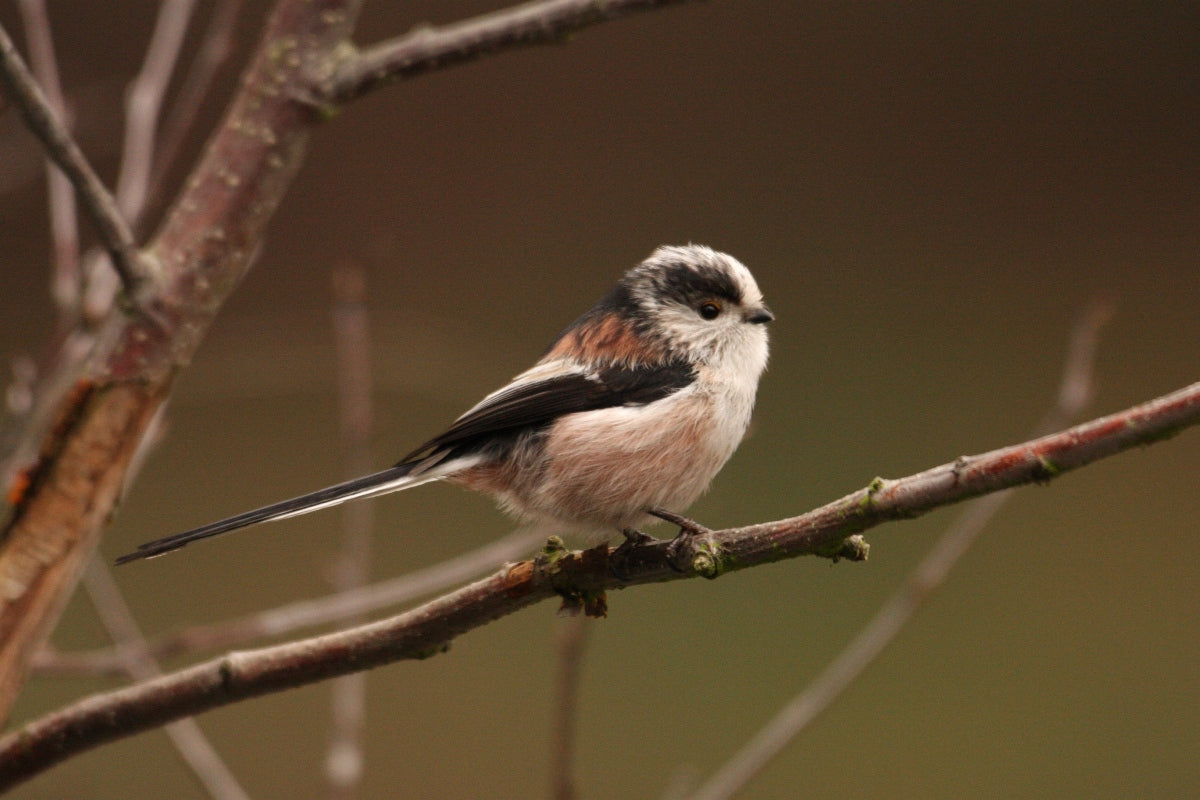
<point x="536" y="405"/>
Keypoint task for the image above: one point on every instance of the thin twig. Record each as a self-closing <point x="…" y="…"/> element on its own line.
<point x="572" y="645"/>
<point x="64" y="223"/>
<point x="428" y="629"/>
<point x="191" y="743"/>
<point x="118" y="621"/>
<point x="1075" y="392"/>
<point x="351" y="330"/>
<point x="428" y="48"/>
<point x="113" y="229"/>
<point x="335" y="608"/>
<point x="215" y="48"/>
<point x="143" y="104"/>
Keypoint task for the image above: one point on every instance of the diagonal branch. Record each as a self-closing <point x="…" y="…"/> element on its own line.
<point x="114" y="230"/>
<point x="292" y="617"/>
<point x="190" y="742"/>
<point x="428" y="48"/>
<point x="214" y="49"/>
<point x="64" y="226"/>
<point x="429" y="629"/>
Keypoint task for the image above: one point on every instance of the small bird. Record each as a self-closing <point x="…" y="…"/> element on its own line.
<point x="630" y="413"/>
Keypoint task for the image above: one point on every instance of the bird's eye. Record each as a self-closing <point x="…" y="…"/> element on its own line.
<point x="709" y="310"/>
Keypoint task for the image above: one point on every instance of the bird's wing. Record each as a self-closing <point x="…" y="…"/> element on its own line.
<point x="535" y="403"/>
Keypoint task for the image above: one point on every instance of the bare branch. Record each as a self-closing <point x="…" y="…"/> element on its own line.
<point x="64" y="225"/>
<point x="1075" y="392"/>
<point x="428" y="629"/>
<point x="191" y="743"/>
<point x="428" y="48"/>
<point x="572" y="645"/>
<point x="344" y="758"/>
<point x="143" y="103"/>
<point x="114" y="230"/>
<point x="335" y="608"/>
<point x="215" y="48"/>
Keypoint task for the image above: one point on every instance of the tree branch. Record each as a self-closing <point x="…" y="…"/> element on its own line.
<point x="572" y="646"/>
<point x="60" y="194"/>
<point x="352" y="338"/>
<point x="213" y="51"/>
<point x="428" y="48"/>
<point x="282" y="620"/>
<point x="204" y="246"/>
<point x="114" y="230"/>
<point x="579" y="577"/>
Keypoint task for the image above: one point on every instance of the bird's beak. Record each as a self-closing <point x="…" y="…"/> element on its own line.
<point x="759" y="316"/>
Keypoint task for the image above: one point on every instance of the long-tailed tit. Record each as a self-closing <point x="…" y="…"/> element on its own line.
<point x="631" y="412"/>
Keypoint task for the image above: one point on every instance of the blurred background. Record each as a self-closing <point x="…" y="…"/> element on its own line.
<point x="928" y="193"/>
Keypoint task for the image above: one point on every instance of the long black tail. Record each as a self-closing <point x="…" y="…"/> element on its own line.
<point x="388" y="480"/>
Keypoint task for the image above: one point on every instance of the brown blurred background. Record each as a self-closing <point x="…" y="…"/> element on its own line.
<point x="928" y="193"/>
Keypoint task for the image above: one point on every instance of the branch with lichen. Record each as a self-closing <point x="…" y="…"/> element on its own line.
<point x="581" y="579"/>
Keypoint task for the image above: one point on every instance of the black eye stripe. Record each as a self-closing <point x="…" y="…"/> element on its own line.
<point x="692" y="285"/>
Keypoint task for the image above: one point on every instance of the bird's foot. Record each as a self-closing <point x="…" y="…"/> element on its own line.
<point x="618" y="560"/>
<point x="682" y="548"/>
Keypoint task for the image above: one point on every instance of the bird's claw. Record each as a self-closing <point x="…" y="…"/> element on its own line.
<point x="618" y="560"/>
<point x="682" y="548"/>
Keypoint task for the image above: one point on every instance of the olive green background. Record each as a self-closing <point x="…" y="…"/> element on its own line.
<point x="929" y="194"/>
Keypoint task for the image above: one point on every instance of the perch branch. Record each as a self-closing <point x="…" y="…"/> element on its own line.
<point x="429" y="629"/>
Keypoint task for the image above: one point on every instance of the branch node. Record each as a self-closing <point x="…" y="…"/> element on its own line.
<point x="1045" y="470"/>
<point x="706" y="560"/>
<point x="550" y="562"/>
<point x="960" y="464"/>
<point x="873" y="488"/>
<point x="852" y="548"/>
